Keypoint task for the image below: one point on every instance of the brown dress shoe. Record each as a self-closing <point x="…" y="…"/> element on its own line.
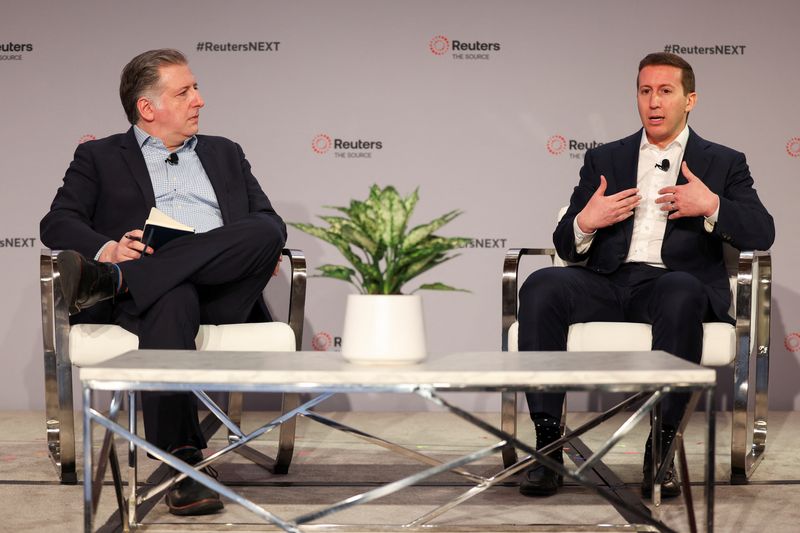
<point x="189" y="497"/>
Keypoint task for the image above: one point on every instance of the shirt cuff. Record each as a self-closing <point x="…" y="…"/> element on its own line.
<point x="711" y="221"/>
<point x="100" y="251"/>
<point x="582" y="240"/>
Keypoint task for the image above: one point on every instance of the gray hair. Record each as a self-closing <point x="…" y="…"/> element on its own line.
<point x="141" y="76"/>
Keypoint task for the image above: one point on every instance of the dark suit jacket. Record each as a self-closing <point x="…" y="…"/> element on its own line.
<point x="743" y="221"/>
<point x="107" y="191"/>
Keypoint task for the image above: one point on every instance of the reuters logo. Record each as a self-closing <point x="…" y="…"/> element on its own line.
<point x="556" y="144"/>
<point x="87" y="137"/>
<point x="792" y="342"/>
<point x="439" y="45"/>
<point x="322" y="341"/>
<point x="321" y="143"/>
<point x="793" y="147"/>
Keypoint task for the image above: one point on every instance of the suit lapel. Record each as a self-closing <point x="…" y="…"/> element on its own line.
<point x="625" y="161"/>
<point x="132" y="154"/>
<point x="206" y="152"/>
<point x="696" y="157"/>
<point x="698" y="160"/>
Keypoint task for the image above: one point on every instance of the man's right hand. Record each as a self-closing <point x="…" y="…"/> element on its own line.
<point x="129" y="247"/>
<point x="602" y="211"/>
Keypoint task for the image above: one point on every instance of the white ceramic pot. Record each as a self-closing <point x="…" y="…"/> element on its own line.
<point x="384" y="329"/>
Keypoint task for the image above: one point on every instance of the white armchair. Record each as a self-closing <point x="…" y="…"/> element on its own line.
<point x="745" y="345"/>
<point x="82" y="344"/>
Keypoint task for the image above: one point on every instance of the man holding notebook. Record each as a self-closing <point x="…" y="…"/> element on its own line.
<point x="214" y="274"/>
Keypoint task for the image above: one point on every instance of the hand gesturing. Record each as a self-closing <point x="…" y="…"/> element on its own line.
<point x="602" y="211"/>
<point x="692" y="199"/>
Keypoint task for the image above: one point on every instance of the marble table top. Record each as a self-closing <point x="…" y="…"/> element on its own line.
<point x="309" y="371"/>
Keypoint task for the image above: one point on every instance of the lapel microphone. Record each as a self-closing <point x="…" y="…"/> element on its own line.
<point x="663" y="166"/>
<point x="173" y="159"/>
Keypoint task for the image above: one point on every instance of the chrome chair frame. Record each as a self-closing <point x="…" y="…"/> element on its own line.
<point x="753" y="281"/>
<point x="59" y="407"/>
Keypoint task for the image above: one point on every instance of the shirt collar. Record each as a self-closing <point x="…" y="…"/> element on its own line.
<point x="680" y="141"/>
<point x="144" y="138"/>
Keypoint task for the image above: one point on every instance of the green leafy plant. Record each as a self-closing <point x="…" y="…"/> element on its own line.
<point x="384" y="256"/>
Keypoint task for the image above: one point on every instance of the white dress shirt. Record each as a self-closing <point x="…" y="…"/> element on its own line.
<point x="649" y="221"/>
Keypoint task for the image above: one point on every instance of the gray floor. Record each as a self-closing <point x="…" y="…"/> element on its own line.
<point x="330" y="466"/>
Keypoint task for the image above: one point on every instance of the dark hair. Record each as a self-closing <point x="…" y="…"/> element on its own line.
<point x="141" y="75"/>
<point x="671" y="60"/>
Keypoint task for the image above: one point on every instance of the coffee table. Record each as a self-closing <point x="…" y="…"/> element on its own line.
<point x="649" y="375"/>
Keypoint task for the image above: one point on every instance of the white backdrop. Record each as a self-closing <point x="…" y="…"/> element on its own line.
<point x="485" y="131"/>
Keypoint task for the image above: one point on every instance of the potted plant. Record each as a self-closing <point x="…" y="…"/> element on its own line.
<point x="382" y="324"/>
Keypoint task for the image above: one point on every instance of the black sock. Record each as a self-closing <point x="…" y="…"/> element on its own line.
<point x="667" y="436"/>
<point x="548" y="429"/>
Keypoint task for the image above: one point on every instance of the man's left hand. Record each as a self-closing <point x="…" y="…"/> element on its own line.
<point x="692" y="199"/>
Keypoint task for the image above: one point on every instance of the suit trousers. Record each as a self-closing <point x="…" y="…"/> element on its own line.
<point x="674" y="303"/>
<point x="215" y="277"/>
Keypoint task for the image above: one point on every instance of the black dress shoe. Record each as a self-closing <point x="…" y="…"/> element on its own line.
<point x="538" y="480"/>
<point x="84" y="282"/>
<point x="670" y="487"/>
<point x="189" y="497"/>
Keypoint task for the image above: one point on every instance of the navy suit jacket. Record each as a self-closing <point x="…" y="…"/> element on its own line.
<point x="743" y="220"/>
<point x="107" y="192"/>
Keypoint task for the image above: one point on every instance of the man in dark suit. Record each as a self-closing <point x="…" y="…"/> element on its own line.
<point x="215" y="276"/>
<point x="648" y="217"/>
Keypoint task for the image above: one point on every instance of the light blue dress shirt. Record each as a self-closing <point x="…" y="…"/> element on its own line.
<point x="183" y="191"/>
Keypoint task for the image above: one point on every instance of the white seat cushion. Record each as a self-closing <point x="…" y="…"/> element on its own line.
<point x="94" y="343"/>
<point x="719" y="339"/>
